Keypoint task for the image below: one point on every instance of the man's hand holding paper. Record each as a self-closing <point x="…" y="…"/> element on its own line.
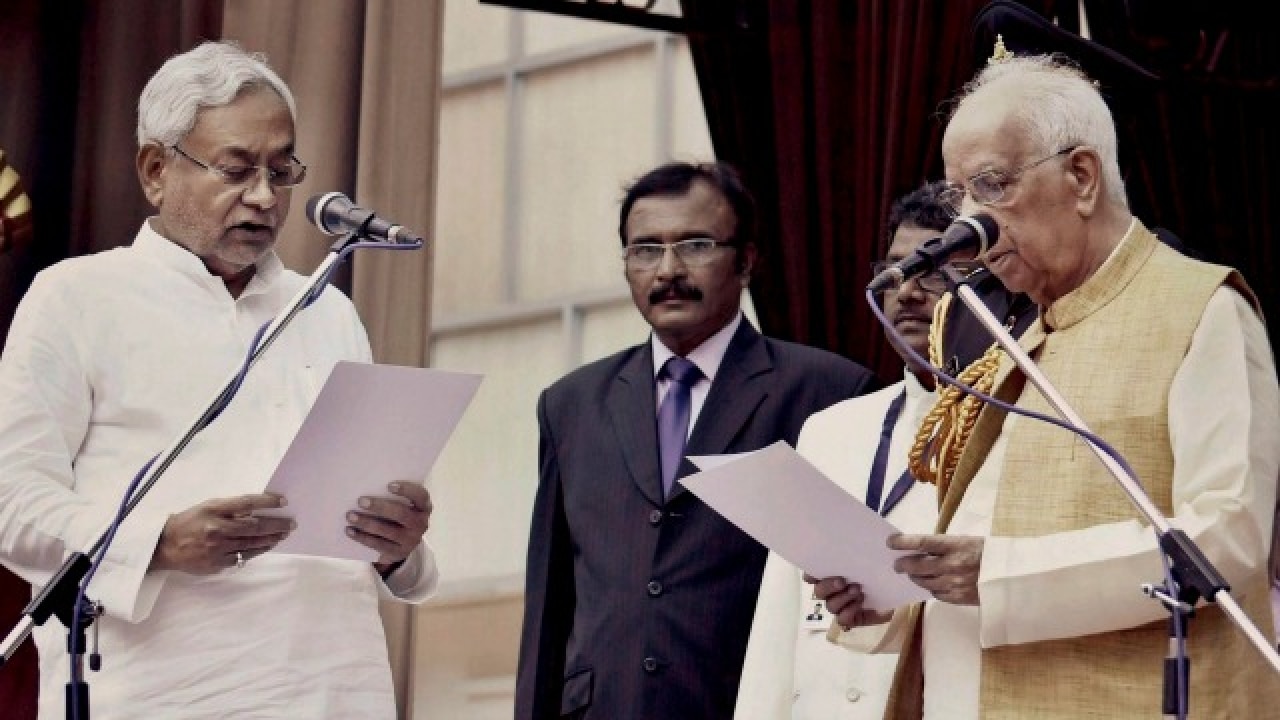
<point x="353" y="472"/>
<point x="844" y="601"/>
<point x="221" y="533"/>
<point x="391" y="525"/>
<point x="788" y="505"/>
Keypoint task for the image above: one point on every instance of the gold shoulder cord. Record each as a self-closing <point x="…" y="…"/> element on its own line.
<point x="945" y="430"/>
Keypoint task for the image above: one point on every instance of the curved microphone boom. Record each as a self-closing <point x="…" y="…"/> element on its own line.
<point x="965" y="232"/>
<point x="335" y="214"/>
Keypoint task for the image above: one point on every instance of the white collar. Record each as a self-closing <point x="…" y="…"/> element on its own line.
<point x="172" y="255"/>
<point x="706" y="356"/>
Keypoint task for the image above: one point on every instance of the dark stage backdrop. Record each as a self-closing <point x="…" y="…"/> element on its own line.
<point x="832" y="109"/>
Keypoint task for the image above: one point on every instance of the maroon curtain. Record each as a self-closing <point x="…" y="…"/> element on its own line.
<point x="70" y="76"/>
<point x="831" y="110"/>
<point x="1200" y="147"/>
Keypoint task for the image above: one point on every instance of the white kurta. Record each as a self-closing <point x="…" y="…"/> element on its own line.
<point x="1224" y="417"/>
<point x="791" y="669"/>
<point x="110" y="357"/>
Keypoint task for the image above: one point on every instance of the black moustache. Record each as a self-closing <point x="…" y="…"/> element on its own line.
<point x="678" y="289"/>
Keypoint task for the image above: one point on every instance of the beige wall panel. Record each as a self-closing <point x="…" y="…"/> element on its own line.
<point x="484" y="482"/>
<point x="589" y="128"/>
<point x="606" y="330"/>
<point x="749" y="308"/>
<point x="469" y="216"/>
<point x="466" y="660"/>
<point x="690" y="136"/>
<point x="477" y="34"/>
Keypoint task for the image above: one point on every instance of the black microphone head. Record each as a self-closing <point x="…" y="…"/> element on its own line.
<point x="321" y="207"/>
<point x="981" y="225"/>
<point x="989" y="226"/>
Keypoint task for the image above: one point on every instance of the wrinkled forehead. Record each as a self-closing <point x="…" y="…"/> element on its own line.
<point x="257" y="119"/>
<point x="985" y="133"/>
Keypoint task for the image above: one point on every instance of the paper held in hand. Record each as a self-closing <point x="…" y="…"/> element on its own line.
<point x="370" y="425"/>
<point x="784" y="502"/>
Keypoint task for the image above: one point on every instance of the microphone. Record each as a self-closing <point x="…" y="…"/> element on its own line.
<point x="335" y="214"/>
<point x="977" y="231"/>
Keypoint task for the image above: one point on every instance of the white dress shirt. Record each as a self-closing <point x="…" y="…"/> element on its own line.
<point x="706" y="356"/>
<point x="110" y="357"/>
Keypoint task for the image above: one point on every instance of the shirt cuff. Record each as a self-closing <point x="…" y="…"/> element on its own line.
<point x="991" y="600"/>
<point x="122" y="583"/>
<point x="416" y="578"/>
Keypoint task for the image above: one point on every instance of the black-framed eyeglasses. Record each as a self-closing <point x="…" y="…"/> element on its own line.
<point x="989" y="187"/>
<point x="282" y="175"/>
<point x="693" y="252"/>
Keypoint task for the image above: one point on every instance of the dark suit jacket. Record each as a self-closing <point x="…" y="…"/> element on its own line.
<point x="636" y="607"/>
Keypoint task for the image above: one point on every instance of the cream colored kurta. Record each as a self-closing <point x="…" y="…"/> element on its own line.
<point x="791" y="670"/>
<point x="1223" y="411"/>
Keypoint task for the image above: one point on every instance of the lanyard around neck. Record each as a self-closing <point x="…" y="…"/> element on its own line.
<point x="875" y="483"/>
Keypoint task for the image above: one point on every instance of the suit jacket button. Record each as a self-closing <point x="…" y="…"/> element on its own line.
<point x="655" y="588"/>
<point x="655" y="517"/>
<point x="650" y="665"/>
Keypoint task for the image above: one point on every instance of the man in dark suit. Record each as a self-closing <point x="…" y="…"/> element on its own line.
<point x="639" y="597"/>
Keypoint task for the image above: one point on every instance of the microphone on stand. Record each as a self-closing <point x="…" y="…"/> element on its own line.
<point x="965" y="232"/>
<point x="335" y="214"/>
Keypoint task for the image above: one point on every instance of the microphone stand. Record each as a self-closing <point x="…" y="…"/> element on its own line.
<point x="1193" y="575"/>
<point x="61" y="594"/>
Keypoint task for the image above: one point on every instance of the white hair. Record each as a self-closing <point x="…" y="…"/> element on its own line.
<point x="212" y="74"/>
<point x="1060" y="107"/>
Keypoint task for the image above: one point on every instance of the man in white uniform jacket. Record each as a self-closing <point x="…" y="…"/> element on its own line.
<point x="111" y="356"/>
<point x="791" y="669"/>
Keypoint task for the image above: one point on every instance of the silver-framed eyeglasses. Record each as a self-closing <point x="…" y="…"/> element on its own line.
<point x="989" y="187"/>
<point x="693" y="252"/>
<point x="286" y="174"/>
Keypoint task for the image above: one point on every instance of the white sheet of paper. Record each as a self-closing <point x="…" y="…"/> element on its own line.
<point x="370" y="425"/>
<point x="784" y="502"/>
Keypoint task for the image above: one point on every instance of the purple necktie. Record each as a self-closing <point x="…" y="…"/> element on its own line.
<point x="673" y="416"/>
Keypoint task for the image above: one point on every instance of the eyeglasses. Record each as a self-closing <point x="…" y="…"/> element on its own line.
<point x="932" y="282"/>
<point x="990" y="186"/>
<point x="286" y="175"/>
<point x="693" y="252"/>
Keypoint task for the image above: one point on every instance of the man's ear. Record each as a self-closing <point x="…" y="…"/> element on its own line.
<point x="1085" y="169"/>
<point x="151" y="163"/>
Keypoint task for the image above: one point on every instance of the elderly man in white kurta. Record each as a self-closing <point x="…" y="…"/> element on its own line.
<point x="111" y="356"/>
